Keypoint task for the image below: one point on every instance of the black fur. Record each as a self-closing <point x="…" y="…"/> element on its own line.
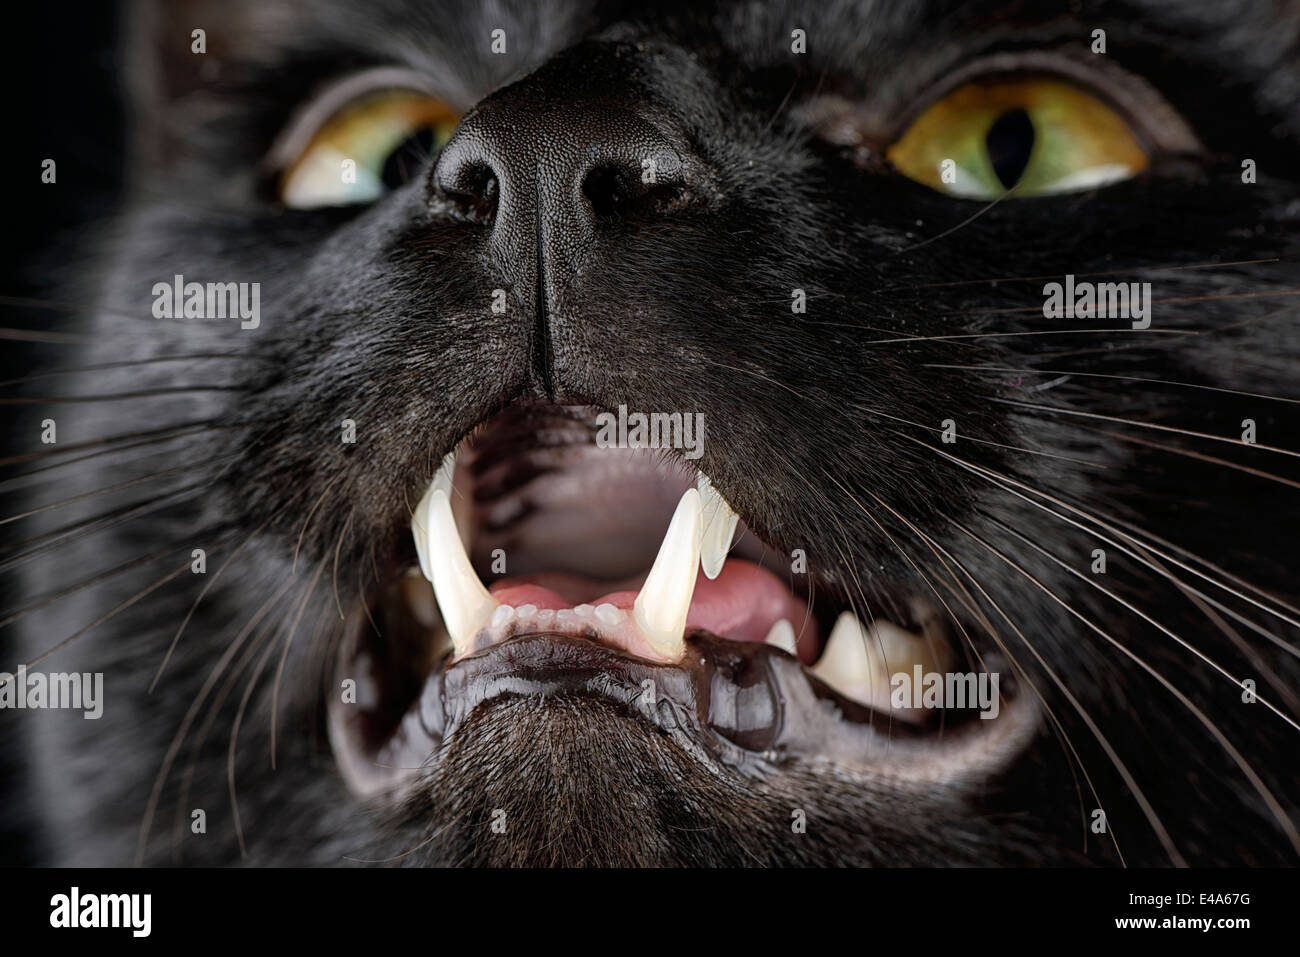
<point x="823" y="429"/>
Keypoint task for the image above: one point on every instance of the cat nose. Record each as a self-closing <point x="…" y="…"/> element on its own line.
<point x="555" y="174"/>
<point x="554" y="177"/>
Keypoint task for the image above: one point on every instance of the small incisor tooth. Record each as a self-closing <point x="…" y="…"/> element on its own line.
<point x="781" y="636"/>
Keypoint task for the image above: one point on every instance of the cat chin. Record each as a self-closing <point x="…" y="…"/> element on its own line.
<point x="576" y="781"/>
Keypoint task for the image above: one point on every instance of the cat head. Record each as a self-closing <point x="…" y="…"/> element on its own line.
<point x="971" y="305"/>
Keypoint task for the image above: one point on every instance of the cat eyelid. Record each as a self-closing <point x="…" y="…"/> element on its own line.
<point x="308" y="119"/>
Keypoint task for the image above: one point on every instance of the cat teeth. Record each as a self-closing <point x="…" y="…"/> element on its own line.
<point x="465" y="604"/>
<point x="420" y="518"/>
<point x="782" y="636"/>
<point x="858" y="662"/>
<point x="719" y="527"/>
<point x="665" y="598"/>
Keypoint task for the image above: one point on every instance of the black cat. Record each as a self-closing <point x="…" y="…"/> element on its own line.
<point x="984" y="319"/>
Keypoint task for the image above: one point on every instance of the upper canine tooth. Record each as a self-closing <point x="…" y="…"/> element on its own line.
<point x="782" y="636"/>
<point x="446" y="470"/>
<point x="465" y="604"/>
<point x="420" y="518"/>
<point x="719" y="527"/>
<point x="665" y="598"/>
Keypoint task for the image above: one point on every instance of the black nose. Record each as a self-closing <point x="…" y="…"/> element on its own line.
<point x="564" y="170"/>
<point x="545" y="168"/>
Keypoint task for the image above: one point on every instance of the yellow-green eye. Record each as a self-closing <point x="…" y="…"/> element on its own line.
<point x="1033" y="136"/>
<point x="372" y="145"/>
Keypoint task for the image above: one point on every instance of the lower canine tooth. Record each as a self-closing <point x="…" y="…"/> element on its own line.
<point x="849" y="662"/>
<point x="901" y="649"/>
<point x="665" y="598"/>
<point x="782" y="636"/>
<point x="859" y="662"/>
<point x="465" y="604"/>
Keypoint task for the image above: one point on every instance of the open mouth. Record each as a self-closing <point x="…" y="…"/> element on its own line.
<point x="546" y="564"/>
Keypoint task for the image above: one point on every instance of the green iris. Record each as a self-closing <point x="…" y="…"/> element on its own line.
<point x="1030" y="137"/>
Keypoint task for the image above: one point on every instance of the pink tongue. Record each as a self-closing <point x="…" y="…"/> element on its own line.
<point x="742" y="603"/>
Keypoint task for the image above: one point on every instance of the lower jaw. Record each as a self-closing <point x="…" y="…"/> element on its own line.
<point x="742" y="705"/>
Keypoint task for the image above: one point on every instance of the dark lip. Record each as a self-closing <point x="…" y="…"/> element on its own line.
<point x="746" y="706"/>
<point x="670" y="697"/>
<point x="743" y="701"/>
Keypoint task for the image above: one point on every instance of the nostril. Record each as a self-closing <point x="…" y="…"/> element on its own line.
<point x="607" y="187"/>
<point x="617" y="191"/>
<point x="469" y="190"/>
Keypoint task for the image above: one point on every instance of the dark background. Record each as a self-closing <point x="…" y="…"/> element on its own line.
<point x="61" y="72"/>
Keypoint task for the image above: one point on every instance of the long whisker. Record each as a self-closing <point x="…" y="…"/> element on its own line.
<point x="337" y="550"/>
<point x="1059" y="410"/>
<point x="154" y="448"/>
<point x="1111" y="348"/>
<point x="129" y="483"/>
<point x="1118" y="763"/>
<point x="312" y="511"/>
<point x="1214" y="665"/>
<point x="234" y="744"/>
<point x="232" y="676"/>
<point x="1199" y="456"/>
<point x="50" y="598"/>
<point x="162" y="666"/>
<point x="1238" y="640"/>
<point x="134" y="363"/>
<point x="122" y="606"/>
<point x="1284" y="821"/>
<point x="998" y="445"/>
<point x="1132" y="270"/>
<point x="965" y="222"/>
<point x="941" y="553"/>
<point x="1106" y="522"/>
<point x="178" y="739"/>
<point x="117" y="396"/>
<point x="166" y="432"/>
<point x="1106" y="375"/>
<point x="284" y="654"/>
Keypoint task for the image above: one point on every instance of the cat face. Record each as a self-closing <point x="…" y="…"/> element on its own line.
<point x="974" y="320"/>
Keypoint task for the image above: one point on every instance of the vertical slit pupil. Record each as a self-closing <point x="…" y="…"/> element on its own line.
<point x="1010" y="143"/>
